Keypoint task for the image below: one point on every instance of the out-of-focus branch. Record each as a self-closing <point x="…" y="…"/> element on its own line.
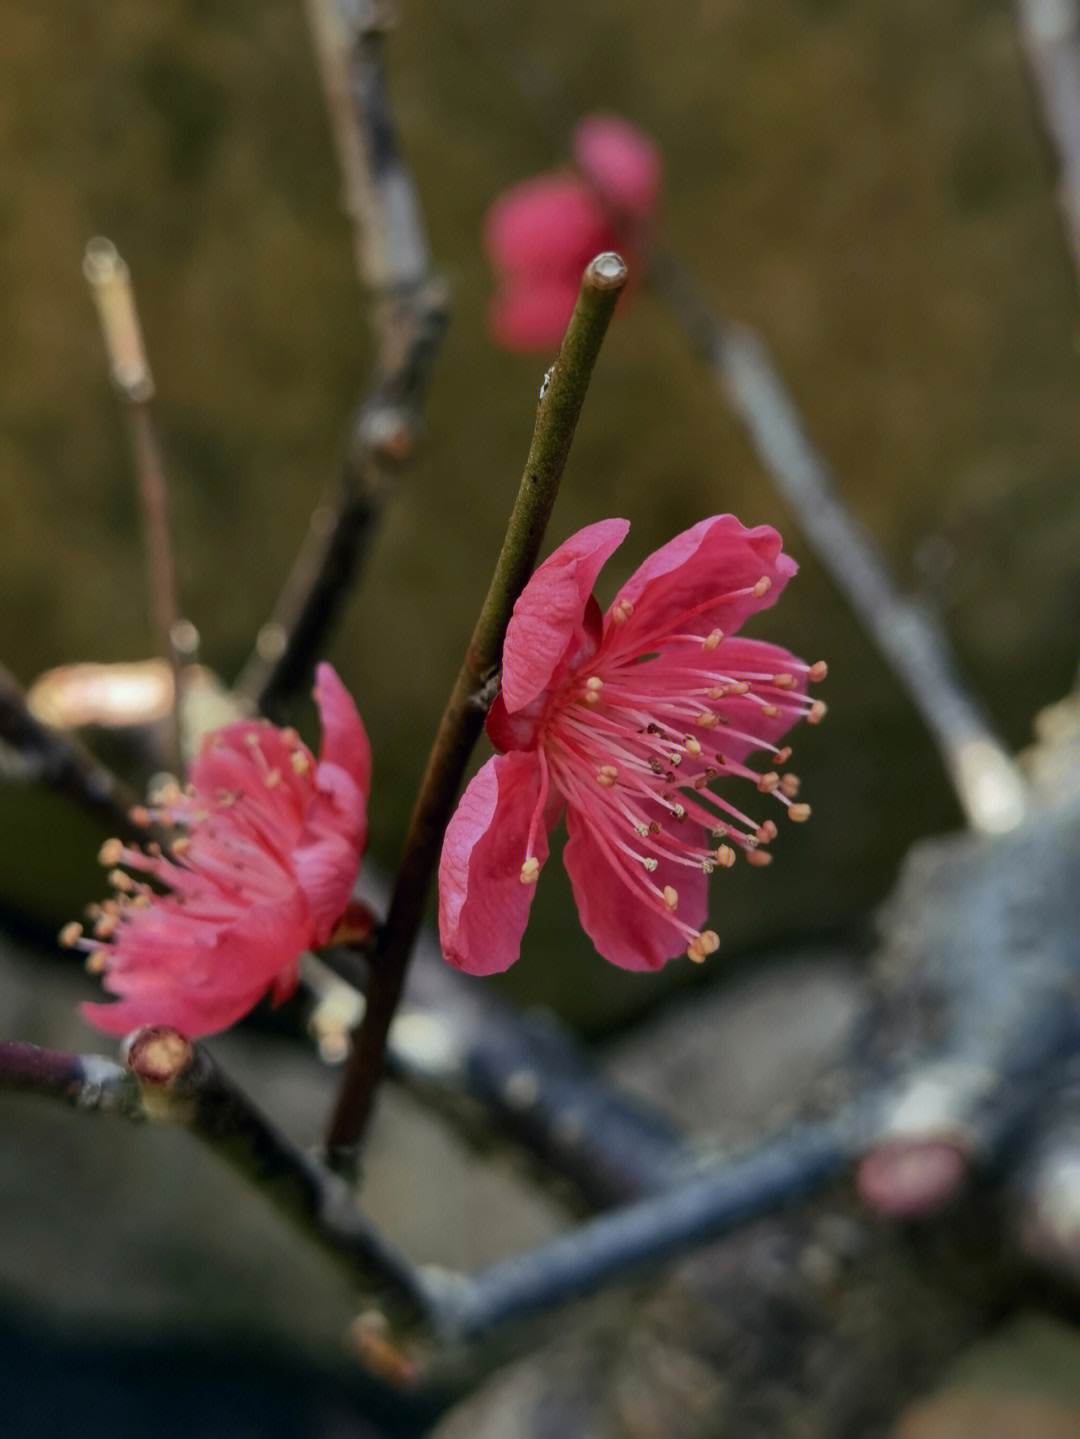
<point x="561" y="399"/>
<point x="652" y="1230"/>
<point x="987" y="781"/>
<point x="62" y="763"/>
<point x="89" y="1081"/>
<point x="410" y="312"/>
<point x="168" y="1078"/>
<point x="1050" y="32"/>
<point x="110" y="286"/>
<point x="468" y="1054"/>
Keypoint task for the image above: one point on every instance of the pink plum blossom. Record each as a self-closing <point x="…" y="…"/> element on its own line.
<point x="627" y="722"/>
<point x="541" y="234"/>
<point x="269" y="848"/>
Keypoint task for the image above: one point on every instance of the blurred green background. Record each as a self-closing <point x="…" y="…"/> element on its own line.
<point x="864" y="183"/>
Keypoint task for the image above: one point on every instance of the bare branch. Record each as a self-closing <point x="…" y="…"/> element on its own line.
<point x="88" y="1081"/>
<point x="1050" y="30"/>
<point x="988" y="784"/>
<point x="410" y="314"/>
<point x="560" y="404"/>
<point x="110" y="286"/>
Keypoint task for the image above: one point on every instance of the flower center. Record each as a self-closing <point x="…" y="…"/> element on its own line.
<point x="637" y="742"/>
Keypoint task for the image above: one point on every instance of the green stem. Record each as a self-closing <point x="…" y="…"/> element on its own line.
<point x="556" y="418"/>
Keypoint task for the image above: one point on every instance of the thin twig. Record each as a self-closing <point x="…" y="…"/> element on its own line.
<point x="557" y="414"/>
<point x="89" y="1081"/>
<point x="1050" y="31"/>
<point x="110" y="286"/>
<point x="409" y="316"/>
<point x="59" y="761"/>
<point x="987" y="781"/>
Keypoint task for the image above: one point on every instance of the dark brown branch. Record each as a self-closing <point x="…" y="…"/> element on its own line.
<point x="88" y="1081"/>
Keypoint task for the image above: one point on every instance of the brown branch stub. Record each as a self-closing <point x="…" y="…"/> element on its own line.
<point x="559" y="407"/>
<point x="157" y="1055"/>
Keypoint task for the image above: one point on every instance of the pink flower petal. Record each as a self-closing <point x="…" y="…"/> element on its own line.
<point x="621" y="162"/>
<point x="625" y="930"/>
<point x="547" y="621"/>
<point x="344" y="739"/>
<point x="708" y="573"/>
<point x="483" y="904"/>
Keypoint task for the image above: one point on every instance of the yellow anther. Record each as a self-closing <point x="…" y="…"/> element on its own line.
<point x="725" y="855"/>
<point x="273" y="779"/>
<point x="594" y="682"/>
<point x="121" y="880"/>
<point x="782" y="755"/>
<point x="768" y="782"/>
<point x="799" y="812"/>
<point x="691" y="745"/>
<point x="759" y="857"/>
<point x="606" y="775"/>
<point x="712" y="640"/>
<point x="784" y="681"/>
<point x="817" y="671"/>
<point x="622" y="612"/>
<point x="706" y="720"/>
<point x="790" y="785"/>
<point x="817" y="712"/>
<point x="763" y="586"/>
<point x="650" y="863"/>
<point x="70" y="935"/>
<point x="97" y="963"/>
<point x="671" y="896"/>
<point x="530" y="870"/>
<point x="704" y="944"/>
<point x="770" y="711"/>
<point x="742" y="688"/>
<point x="766" y="832"/>
<point x="299" y="761"/>
<point x="111" y="853"/>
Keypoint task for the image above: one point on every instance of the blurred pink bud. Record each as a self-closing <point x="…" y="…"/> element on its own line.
<point x="540" y="235"/>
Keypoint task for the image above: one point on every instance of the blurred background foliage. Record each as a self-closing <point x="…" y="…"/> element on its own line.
<point x="864" y="183"/>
